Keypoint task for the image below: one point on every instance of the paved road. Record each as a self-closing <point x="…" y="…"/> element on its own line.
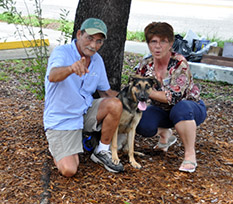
<point x="206" y="17"/>
<point x="213" y="18"/>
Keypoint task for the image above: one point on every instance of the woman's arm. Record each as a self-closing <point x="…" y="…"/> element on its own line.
<point x="158" y="96"/>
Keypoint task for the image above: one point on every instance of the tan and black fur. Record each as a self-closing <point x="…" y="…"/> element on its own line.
<point x="138" y="89"/>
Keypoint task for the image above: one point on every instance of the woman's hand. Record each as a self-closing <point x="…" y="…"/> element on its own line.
<point x="158" y="96"/>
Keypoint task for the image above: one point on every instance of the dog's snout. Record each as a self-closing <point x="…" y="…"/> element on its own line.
<point x="143" y="99"/>
<point x="143" y="96"/>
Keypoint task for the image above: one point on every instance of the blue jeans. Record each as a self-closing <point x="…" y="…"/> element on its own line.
<point x="154" y="117"/>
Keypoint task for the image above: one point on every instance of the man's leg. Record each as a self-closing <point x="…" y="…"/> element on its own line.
<point x="109" y="112"/>
<point x="108" y="115"/>
<point x="64" y="147"/>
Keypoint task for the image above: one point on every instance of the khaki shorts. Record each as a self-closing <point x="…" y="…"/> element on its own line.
<point x="64" y="143"/>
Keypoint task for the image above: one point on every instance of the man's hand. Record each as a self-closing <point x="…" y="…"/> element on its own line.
<point x="60" y="73"/>
<point x="80" y="67"/>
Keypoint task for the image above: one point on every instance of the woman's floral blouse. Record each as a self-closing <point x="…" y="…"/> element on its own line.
<point x="178" y="83"/>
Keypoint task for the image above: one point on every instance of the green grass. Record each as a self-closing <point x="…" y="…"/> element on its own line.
<point x="67" y="27"/>
<point x="135" y="36"/>
<point x="32" y="20"/>
<point x="130" y="61"/>
<point x="215" y="90"/>
<point x="28" y="20"/>
<point x="4" y="76"/>
<point x="22" y="72"/>
<point x="208" y="95"/>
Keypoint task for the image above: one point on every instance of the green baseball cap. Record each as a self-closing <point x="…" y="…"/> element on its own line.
<point x="93" y="26"/>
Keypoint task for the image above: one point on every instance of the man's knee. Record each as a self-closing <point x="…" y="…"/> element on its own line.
<point x="68" y="170"/>
<point x="115" y="106"/>
<point x="68" y="166"/>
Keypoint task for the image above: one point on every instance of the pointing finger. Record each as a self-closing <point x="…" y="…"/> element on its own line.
<point x="83" y="61"/>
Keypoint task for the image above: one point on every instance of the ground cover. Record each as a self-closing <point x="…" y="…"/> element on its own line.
<point x="28" y="175"/>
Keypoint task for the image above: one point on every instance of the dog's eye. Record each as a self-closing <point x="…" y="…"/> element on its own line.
<point x="147" y="86"/>
<point x="138" y="86"/>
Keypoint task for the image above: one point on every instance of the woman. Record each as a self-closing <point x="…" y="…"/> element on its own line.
<point x="177" y="102"/>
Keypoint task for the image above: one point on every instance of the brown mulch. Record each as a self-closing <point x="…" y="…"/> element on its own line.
<point x="28" y="175"/>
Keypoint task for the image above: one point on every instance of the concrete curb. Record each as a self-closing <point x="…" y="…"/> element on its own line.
<point x="23" y="44"/>
<point x="21" y="53"/>
<point x="211" y="72"/>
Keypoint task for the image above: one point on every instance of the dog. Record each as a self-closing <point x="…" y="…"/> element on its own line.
<point x="134" y="99"/>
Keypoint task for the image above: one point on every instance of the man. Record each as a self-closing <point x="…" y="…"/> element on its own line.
<point x="75" y="71"/>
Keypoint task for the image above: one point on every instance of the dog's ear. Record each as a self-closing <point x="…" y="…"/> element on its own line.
<point x="125" y="90"/>
<point x="154" y="82"/>
<point x="131" y="79"/>
<point x="134" y="78"/>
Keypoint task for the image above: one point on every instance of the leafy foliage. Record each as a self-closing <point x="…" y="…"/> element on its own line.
<point x="136" y="36"/>
<point x="12" y="15"/>
<point x="26" y="25"/>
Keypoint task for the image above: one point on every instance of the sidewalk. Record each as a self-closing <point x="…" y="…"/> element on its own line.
<point x="199" y="70"/>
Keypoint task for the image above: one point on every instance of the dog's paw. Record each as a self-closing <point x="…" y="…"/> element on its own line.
<point x="136" y="165"/>
<point x="116" y="161"/>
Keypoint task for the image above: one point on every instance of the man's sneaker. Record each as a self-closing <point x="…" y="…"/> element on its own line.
<point x="105" y="158"/>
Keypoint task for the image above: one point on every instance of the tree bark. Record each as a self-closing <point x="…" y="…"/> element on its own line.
<point x="115" y="14"/>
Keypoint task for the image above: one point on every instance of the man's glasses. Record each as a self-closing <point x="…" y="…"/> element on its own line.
<point x="98" y="42"/>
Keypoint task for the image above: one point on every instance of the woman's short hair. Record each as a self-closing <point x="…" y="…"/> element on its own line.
<point x="160" y="29"/>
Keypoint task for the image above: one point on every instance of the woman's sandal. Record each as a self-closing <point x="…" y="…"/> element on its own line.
<point x="164" y="146"/>
<point x="188" y="170"/>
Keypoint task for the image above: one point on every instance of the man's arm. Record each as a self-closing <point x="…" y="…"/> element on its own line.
<point x="60" y="73"/>
<point x="108" y="93"/>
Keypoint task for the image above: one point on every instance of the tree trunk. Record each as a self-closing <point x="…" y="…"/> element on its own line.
<point x="115" y="14"/>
